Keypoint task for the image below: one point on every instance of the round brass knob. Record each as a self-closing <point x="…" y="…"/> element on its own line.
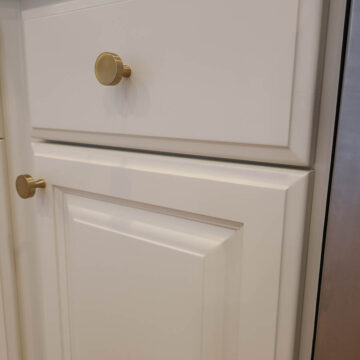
<point x="109" y="69"/>
<point x="26" y="186"/>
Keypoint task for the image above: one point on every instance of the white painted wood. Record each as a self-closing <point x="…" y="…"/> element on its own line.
<point x="4" y="239"/>
<point x="9" y="336"/>
<point x="156" y="286"/>
<point x="238" y="80"/>
<point x="19" y="159"/>
<point x="153" y="257"/>
<point x="18" y="146"/>
<point x="59" y="5"/>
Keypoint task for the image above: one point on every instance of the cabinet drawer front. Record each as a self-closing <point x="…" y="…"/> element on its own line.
<point x="152" y="257"/>
<point x="218" y="78"/>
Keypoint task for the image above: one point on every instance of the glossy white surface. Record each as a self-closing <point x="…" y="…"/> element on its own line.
<point x="233" y="79"/>
<point x="167" y="257"/>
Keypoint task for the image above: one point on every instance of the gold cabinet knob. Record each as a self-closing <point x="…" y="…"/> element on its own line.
<point x="26" y="186"/>
<point x="109" y="69"/>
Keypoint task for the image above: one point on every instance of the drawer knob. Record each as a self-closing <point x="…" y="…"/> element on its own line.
<point x="109" y="69"/>
<point x="26" y="186"/>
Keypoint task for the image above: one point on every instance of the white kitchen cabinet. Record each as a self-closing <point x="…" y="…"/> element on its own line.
<point x="232" y="79"/>
<point x="150" y="257"/>
<point x="138" y="256"/>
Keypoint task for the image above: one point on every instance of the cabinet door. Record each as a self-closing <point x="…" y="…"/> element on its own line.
<point x="233" y="78"/>
<point x="149" y="257"/>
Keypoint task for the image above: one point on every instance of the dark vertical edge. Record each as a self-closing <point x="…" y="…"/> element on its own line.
<point x="337" y="116"/>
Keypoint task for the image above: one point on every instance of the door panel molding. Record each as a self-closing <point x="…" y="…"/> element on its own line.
<point x="169" y="255"/>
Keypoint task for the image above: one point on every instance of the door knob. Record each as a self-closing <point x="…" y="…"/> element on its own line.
<point x="26" y="186"/>
<point x="109" y="69"/>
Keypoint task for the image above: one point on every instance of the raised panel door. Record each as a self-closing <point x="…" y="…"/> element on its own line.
<point x="152" y="257"/>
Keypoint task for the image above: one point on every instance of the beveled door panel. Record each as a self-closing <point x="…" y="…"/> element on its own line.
<point x="233" y="79"/>
<point x="152" y="257"/>
<point x="138" y="284"/>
